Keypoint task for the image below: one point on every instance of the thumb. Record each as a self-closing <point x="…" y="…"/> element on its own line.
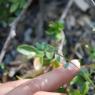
<point x="48" y="82"/>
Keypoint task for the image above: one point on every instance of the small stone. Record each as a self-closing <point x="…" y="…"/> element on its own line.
<point x="82" y="4"/>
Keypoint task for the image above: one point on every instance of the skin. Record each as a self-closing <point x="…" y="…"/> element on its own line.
<point x="45" y="84"/>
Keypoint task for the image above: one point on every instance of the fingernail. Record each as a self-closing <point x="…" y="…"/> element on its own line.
<point x="74" y="64"/>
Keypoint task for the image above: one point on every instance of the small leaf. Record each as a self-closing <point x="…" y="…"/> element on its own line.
<point x="77" y="80"/>
<point x="27" y="50"/>
<point x="46" y="62"/>
<point x="85" y="88"/>
<point x="45" y="47"/>
<point x="92" y="53"/>
<point x="86" y="75"/>
<point x="55" y="63"/>
<point x="59" y="36"/>
<point x="13" y="1"/>
<point x="49" y="55"/>
<point x="75" y="92"/>
<point x="14" y="7"/>
<point x="41" y="46"/>
<point x="2" y="66"/>
<point x="55" y="29"/>
<point x="61" y="90"/>
<point x="22" y="3"/>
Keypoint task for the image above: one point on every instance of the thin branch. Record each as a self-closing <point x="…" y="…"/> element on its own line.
<point x="93" y="2"/>
<point x="63" y="16"/>
<point x="13" y="31"/>
<point x="65" y="12"/>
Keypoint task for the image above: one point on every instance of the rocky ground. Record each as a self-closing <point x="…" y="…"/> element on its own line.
<point x="79" y="33"/>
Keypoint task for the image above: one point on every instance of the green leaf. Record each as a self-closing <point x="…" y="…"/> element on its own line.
<point x="14" y="7"/>
<point x="41" y="46"/>
<point x="46" y="62"/>
<point x="78" y="80"/>
<point x="45" y="47"/>
<point x="86" y="75"/>
<point x="75" y="92"/>
<point x="61" y="90"/>
<point x="54" y="29"/>
<point x="2" y="66"/>
<point x="56" y="26"/>
<point x="27" y="50"/>
<point x="17" y="4"/>
<point x="92" y="53"/>
<point x="59" y="36"/>
<point x="22" y="3"/>
<point x="49" y="55"/>
<point x="85" y="88"/>
<point x="13" y="1"/>
<point x="55" y="63"/>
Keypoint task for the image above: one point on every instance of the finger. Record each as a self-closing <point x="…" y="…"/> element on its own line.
<point x="48" y="82"/>
<point x="6" y="87"/>
<point x="47" y="93"/>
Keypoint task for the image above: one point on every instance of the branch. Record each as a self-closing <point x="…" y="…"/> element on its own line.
<point x="63" y="16"/>
<point x="13" y="31"/>
<point x="93" y="2"/>
<point x="66" y="10"/>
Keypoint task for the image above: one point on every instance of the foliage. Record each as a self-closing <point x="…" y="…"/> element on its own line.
<point x="9" y="9"/>
<point x="92" y="53"/>
<point x="54" y="30"/>
<point x="2" y="68"/>
<point x="46" y="54"/>
<point x="17" y="5"/>
<point x="42" y="50"/>
<point x="80" y="84"/>
<point x="83" y="81"/>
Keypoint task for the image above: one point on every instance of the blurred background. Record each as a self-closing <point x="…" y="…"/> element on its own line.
<point x="71" y="29"/>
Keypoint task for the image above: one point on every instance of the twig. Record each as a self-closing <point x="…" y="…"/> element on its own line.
<point x="93" y="2"/>
<point x="13" y="31"/>
<point x="65" y="12"/>
<point x="63" y="16"/>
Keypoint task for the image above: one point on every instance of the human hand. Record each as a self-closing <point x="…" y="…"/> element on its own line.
<point x="47" y="82"/>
